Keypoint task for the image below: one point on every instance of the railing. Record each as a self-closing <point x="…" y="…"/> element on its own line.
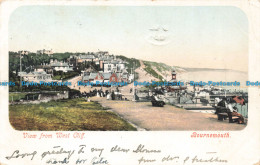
<point x="242" y="109"/>
<point x="194" y="104"/>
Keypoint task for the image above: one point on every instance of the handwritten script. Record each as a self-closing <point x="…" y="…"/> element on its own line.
<point x="89" y="155"/>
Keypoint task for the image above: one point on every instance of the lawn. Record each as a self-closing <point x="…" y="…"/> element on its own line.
<point x="58" y="75"/>
<point x="66" y="115"/>
<point x="16" y="96"/>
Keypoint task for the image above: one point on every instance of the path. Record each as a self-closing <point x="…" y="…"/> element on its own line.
<point x="143" y="75"/>
<point x="144" y="115"/>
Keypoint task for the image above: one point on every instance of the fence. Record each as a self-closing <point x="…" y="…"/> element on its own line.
<point x="242" y="109"/>
<point x="40" y="97"/>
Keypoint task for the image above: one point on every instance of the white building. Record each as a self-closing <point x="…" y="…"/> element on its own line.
<point x="61" y="66"/>
<point x="87" y="57"/>
<point x="113" y="66"/>
<point x="35" y="76"/>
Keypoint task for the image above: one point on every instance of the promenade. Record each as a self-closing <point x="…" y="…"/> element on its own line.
<point x="144" y="115"/>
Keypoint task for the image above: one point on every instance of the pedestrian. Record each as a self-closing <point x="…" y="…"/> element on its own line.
<point x="113" y="96"/>
<point x="233" y="112"/>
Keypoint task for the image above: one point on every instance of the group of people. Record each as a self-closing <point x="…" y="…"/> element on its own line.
<point x="110" y="95"/>
<point x="229" y="105"/>
<point x="95" y="92"/>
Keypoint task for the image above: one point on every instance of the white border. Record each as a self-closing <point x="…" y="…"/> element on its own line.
<point x="242" y="148"/>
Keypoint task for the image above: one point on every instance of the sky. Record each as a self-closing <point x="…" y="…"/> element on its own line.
<point x="197" y="37"/>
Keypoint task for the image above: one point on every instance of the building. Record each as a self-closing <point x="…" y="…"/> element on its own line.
<point x="87" y="57"/>
<point x="49" y="52"/>
<point x="106" y="77"/>
<point x="73" y="61"/>
<point x="113" y="66"/>
<point x="131" y="78"/>
<point x="23" y="52"/>
<point x="114" y="78"/>
<point x="88" y="76"/>
<point x="102" y="77"/>
<point x="125" y="77"/>
<point x="60" y="66"/>
<point x="102" y="53"/>
<point x="46" y="68"/>
<point x="35" y="76"/>
<point x="74" y="56"/>
<point x="99" y="78"/>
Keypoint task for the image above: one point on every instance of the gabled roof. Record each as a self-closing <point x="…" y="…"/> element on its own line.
<point x="85" y="78"/>
<point x="106" y="75"/>
<point x="92" y="75"/>
<point x="60" y="64"/>
<point x="44" y="66"/>
<point x="39" y="73"/>
<point x="87" y="56"/>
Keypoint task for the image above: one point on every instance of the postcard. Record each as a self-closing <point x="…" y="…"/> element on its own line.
<point x="130" y="82"/>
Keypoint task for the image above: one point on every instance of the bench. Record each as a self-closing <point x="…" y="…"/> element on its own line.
<point x="223" y="116"/>
<point x="220" y="109"/>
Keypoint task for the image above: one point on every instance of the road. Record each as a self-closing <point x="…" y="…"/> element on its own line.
<point x="144" y="115"/>
<point x="125" y="90"/>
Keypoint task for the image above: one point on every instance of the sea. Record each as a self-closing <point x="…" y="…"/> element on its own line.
<point x="216" y="76"/>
